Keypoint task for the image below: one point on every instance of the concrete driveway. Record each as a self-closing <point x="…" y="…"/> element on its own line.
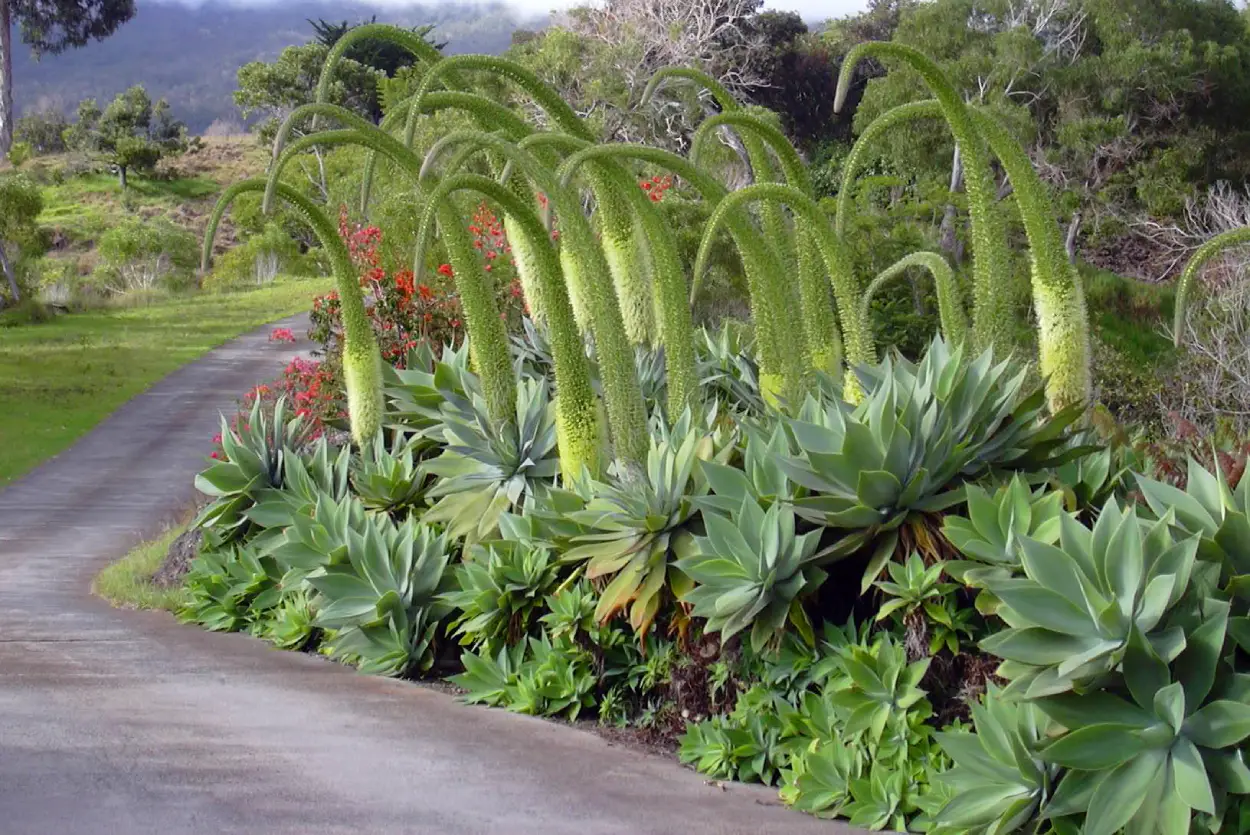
<point x="120" y="722"/>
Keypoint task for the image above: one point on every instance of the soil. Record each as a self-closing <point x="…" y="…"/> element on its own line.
<point x="178" y="559"/>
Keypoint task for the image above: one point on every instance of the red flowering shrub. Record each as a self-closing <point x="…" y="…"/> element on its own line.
<point x="404" y="313"/>
<point x="656" y="186"/>
<point x="311" y="389"/>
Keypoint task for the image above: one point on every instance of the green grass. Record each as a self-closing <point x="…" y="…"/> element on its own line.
<point x="60" y="378"/>
<point x="85" y="206"/>
<point x="127" y="583"/>
<point x="1129" y="316"/>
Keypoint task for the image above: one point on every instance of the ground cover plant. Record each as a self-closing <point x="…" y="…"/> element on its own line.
<point x="918" y="593"/>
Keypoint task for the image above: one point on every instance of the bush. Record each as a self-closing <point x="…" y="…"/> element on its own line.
<point x="43" y="130"/>
<point x="257" y="261"/>
<point x="138" y="255"/>
<point x="19" y="153"/>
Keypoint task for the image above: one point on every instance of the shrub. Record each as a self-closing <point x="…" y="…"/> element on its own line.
<point x="138" y="255"/>
<point x="43" y="131"/>
<point x="257" y="261"/>
<point x="20" y="152"/>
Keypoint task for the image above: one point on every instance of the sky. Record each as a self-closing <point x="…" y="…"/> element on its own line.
<point x="810" y="9"/>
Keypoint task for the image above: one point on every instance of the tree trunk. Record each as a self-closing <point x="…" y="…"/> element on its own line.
<point x="1074" y="226"/>
<point x="6" y="78"/>
<point x="121" y="176"/>
<point x="7" y="268"/>
<point x="949" y="240"/>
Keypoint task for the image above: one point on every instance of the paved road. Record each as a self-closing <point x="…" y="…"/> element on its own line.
<point x="119" y="722"/>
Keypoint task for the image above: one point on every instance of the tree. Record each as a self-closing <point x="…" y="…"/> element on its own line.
<point x="132" y="133"/>
<point x="20" y="205"/>
<point x="43" y="130"/>
<point x="1129" y="106"/>
<point x="799" y="77"/>
<point x="50" y="27"/>
<point x="383" y="56"/>
<point x="272" y="90"/>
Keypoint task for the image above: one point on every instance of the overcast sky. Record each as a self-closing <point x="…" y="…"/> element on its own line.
<point x="810" y="9"/>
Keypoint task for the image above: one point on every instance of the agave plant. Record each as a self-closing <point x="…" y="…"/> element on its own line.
<point x="999" y="783"/>
<point x="383" y="602"/>
<point x="760" y="478"/>
<point x="254" y="456"/>
<point x="727" y="369"/>
<point x="990" y="533"/>
<point x="1207" y="508"/>
<point x="636" y="528"/>
<point x="389" y="480"/>
<point x="922" y="603"/>
<point x="486" y="469"/>
<point x="418" y="392"/>
<point x="230" y="587"/>
<point x="1151" y="756"/>
<point x="501" y="588"/>
<point x="535" y="677"/>
<point x="1079" y="606"/>
<point x="752" y="570"/>
<point x="909" y="447"/>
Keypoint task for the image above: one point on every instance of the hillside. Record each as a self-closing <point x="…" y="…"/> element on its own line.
<point x="190" y="55"/>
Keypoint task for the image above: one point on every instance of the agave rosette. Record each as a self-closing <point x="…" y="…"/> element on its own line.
<point x="486" y="469"/>
<point x="752" y="570"/>
<point x="637" y="526"/>
<point x="389" y="480"/>
<point x="501" y="586"/>
<point x="384" y="602"/>
<point x="1079" y="605"/>
<point x="1220" y="516"/>
<point x="255" y="453"/>
<point x="922" y="432"/>
<point x="999" y="782"/>
<point x="1163" y="750"/>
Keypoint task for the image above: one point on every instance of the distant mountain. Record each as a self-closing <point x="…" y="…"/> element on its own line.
<point x="189" y="55"/>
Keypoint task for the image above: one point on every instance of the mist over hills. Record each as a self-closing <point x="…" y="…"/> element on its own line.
<point x="190" y="54"/>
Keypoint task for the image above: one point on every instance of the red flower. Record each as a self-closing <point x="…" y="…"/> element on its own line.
<point x="445" y="269"/>
<point x="425" y="292"/>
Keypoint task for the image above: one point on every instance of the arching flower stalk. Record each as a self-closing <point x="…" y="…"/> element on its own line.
<point x="615" y="227"/>
<point x="362" y="361"/>
<point x="1063" y="351"/>
<point x="950" y="306"/>
<point x="579" y="432"/>
<point x="488" y="338"/>
<point x="820" y="328"/>
<point x="777" y="233"/>
<point x="1184" y="287"/>
<point x="867" y="146"/>
<point x="780" y="344"/>
<point x="676" y="327"/>
<point x="1058" y="297"/>
<point x="855" y="330"/>
<point x="579" y="250"/>
<point x="991" y="259"/>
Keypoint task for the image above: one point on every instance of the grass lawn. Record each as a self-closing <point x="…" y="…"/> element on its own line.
<point x="60" y="378"/>
<point x="128" y="582"/>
